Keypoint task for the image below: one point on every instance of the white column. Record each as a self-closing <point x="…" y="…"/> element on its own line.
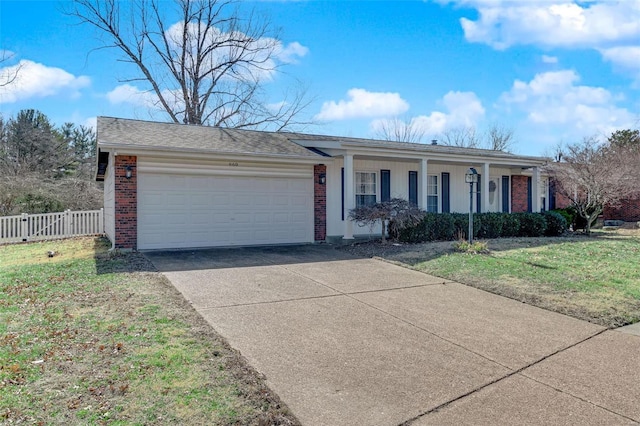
<point x="422" y="184"/>
<point x="535" y="190"/>
<point x="485" y="188"/>
<point x="349" y="195"/>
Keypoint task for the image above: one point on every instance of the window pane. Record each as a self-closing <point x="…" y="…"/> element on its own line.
<point x="432" y="203"/>
<point x="365" y="200"/>
<point x="432" y="185"/>
<point x="366" y="183"/>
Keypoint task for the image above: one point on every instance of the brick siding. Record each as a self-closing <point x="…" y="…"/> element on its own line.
<point x="319" y="203"/>
<point x="126" y="203"/>
<point x="519" y="199"/>
<point x="628" y="210"/>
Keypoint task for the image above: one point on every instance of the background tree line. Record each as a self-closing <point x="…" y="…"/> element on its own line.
<point x="44" y="168"/>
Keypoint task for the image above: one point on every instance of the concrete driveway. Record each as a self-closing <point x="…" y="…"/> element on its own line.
<point x="352" y="341"/>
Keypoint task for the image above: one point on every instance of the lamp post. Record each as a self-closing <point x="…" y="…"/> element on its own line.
<point x="471" y="177"/>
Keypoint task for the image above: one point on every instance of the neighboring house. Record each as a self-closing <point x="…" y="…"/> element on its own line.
<point x="627" y="210"/>
<point x="181" y="186"/>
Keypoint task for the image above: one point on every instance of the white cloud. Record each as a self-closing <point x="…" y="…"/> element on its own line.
<point x="290" y="53"/>
<point x="556" y="99"/>
<point x="549" y="59"/>
<point x="560" y="23"/>
<point x="463" y="109"/>
<point x="611" y="27"/>
<point x="625" y="57"/>
<point x="257" y="61"/>
<point x="362" y="104"/>
<point x="34" y="80"/>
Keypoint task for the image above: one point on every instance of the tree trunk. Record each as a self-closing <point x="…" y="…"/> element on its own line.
<point x="590" y="219"/>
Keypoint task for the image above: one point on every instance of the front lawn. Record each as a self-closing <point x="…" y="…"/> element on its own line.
<point x="594" y="278"/>
<point x="89" y="337"/>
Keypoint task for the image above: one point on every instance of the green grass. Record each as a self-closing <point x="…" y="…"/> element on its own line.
<point x="88" y="337"/>
<point x="595" y="278"/>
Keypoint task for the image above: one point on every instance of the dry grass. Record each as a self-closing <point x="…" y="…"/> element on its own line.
<point x="89" y="337"/>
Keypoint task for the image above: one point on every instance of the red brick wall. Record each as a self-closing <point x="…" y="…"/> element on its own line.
<point x="628" y="210"/>
<point x="519" y="202"/>
<point x="126" y="203"/>
<point x="319" y="203"/>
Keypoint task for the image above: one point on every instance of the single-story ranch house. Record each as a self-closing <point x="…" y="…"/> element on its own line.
<point x="180" y="186"/>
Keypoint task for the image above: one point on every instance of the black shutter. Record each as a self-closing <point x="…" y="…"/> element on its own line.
<point x="479" y="194"/>
<point x="529" y="203"/>
<point x="413" y="187"/>
<point x="505" y="194"/>
<point x="342" y="192"/>
<point x="552" y="194"/>
<point x="385" y="185"/>
<point x="446" y="194"/>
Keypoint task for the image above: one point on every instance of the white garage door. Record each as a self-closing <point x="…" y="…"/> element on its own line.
<point x="179" y="211"/>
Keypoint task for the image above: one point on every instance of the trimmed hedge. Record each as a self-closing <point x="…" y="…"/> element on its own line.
<point x="454" y="226"/>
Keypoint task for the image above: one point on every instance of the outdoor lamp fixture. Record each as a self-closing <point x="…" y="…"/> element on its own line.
<point x="471" y="177"/>
<point x="322" y="178"/>
<point x="127" y="172"/>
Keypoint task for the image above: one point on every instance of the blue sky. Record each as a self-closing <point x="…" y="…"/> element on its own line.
<point x="552" y="70"/>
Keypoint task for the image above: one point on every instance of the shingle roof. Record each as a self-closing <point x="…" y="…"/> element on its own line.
<point x="114" y="132"/>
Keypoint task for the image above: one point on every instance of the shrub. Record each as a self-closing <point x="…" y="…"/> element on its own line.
<point x="556" y="224"/>
<point x="510" y="225"/>
<point x="490" y="225"/>
<point x="451" y="226"/>
<point x="532" y="224"/>
<point x="568" y="213"/>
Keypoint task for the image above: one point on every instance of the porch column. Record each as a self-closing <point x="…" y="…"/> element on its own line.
<point x="484" y="204"/>
<point x="349" y="195"/>
<point x="535" y="190"/>
<point x="422" y="184"/>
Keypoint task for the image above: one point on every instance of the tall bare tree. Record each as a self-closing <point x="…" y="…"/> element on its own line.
<point x="594" y="174"/>
<point x="461" y="136"/>
<point x="499" y="138"/>
<point x="400" y="130"/>
<point x="209" y="67"/>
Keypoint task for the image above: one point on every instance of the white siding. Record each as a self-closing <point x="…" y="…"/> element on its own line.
<point x="399" y="172"/>
<point x="109" y="200"/>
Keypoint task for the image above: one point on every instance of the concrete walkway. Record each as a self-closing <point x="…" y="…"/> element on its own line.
<point x="352" y="341"/>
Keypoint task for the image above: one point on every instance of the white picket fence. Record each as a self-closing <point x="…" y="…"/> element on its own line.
<point x="51" y="226"/>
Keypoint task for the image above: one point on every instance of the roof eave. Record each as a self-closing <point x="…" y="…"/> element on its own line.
<point x="185" y="153"/>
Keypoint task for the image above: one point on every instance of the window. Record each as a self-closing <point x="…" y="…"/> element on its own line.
<point x="432" y="193"/>
<point x="365" y="188"/>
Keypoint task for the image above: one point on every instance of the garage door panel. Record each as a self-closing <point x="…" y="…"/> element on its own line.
<point x="194" y="211"/>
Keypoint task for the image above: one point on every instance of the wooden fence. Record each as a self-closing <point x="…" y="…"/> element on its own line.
<point x="51" y="226"/>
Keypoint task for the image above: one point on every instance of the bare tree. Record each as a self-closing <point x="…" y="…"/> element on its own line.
<point x="8" y="74"/>
<point x="400" y="130"/>
<point x="499" y="138"/>
<point x="208" y="68"/>
<point x="461" y="136"/>
<point x="593" y="175"/>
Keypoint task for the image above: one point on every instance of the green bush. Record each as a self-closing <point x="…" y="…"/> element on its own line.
<point x="510" y="225"/>
<point x="490" y="225"/>
<point x="532" y="225"/>
<point x="568" y="213"/>
<point x="451" y="226"/>
<point x="556" y="224"/>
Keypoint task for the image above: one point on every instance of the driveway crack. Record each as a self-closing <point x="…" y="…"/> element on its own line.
<point x="511" y="374"/>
